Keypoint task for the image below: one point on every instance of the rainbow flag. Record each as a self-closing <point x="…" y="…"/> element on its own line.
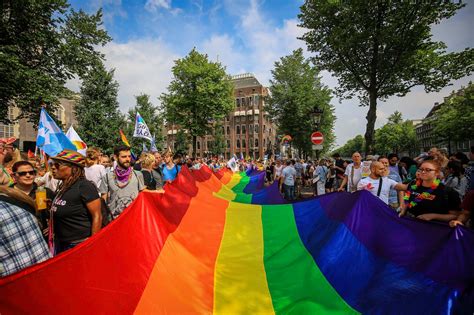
<point x="207" y="245"/>
<point x="124" y="138"/>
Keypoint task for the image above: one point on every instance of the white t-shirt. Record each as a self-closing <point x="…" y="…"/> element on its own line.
<point x="95" y="173"/>
<point x="289" y="173"/>
<point x="372" y="185"/>
<point x="278" y="170"/>
<point x="357" y="176"/>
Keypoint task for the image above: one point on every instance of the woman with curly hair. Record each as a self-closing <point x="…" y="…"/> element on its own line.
<point x="76" y="210"/>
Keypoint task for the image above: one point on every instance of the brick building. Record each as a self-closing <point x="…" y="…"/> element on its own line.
<point x="25" y="132"/>
<point x="248" y="129"/>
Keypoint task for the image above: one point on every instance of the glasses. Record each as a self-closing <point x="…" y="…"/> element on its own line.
<point x="426" y="170"/>
<point x="26" y="173"/>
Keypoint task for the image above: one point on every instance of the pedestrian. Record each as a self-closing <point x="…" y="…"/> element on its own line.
<point x="395" y="197"/>
<point x="94" y="171"/>
<point x="378" y="184"/>
<point x="455" y="178"/>
<point x="319" y="178"/>
<point x="427" y="198"/>
<point x="151" y="178"/>
<point x="287" y="181"/>
<point x="76" y="210"/>
<point x="278" y="170"/>
<point x="106" y="163"/>
<point x="121" y="186"/>
<point x="171" y="170"/>
<point x="24" y="175"/>
<point x="22" y="243"/>
<point x="352" y="174"/>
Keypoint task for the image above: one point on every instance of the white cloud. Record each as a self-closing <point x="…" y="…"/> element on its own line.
<point x="141" y="66"/>
<point x="155" y="5"/>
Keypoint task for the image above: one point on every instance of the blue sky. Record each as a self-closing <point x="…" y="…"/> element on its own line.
<point x="246" y="36"/>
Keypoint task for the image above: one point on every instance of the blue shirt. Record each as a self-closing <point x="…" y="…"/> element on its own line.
<point x="170" y="174"/>
<point x="393" y="195"/>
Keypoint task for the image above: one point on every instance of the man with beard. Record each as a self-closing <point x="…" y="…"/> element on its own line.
<point x="121" y="186"/>
<point x="6" y="156"/>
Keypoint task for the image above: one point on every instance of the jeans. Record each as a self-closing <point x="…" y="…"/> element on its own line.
<point x="289" y="192"/>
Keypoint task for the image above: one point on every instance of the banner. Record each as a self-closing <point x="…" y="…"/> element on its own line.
<point x="141" y="129"/>
<point x="51" y="138"/>
<point x="80" y="145"/>
<point x="207" y="247"/>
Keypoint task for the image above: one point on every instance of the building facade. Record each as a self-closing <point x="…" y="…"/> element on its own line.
<point x="248" y="130"/>
<point x="427" y="138"/>
<point x="26" y="133"/>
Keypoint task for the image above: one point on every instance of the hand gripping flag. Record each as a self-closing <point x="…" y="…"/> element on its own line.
<point x="141" y="129"/>
<point x="72" y="135"/>
<point x="51" y="139"/>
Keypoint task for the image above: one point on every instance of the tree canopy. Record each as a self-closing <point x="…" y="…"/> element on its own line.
<point x="97" y="112"/>
<point x="295" y="91"/>
<point x="42" y="45"/>
<point x="199" y="95"/>
<point x="396" y="136"/>
<point x="454" y="121"/>
<point x="377" y="49"/>
<point x="353" y="145"/>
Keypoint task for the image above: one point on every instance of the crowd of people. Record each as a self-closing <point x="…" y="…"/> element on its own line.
<point x="51" y="204"/>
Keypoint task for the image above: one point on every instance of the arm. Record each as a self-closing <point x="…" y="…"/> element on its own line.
<point x="436" y="216"/>
<point x="94" y="208"/>
<point x="400" y="197"/>
<point x="344" y="182"/>
<point x="461" y="219"/>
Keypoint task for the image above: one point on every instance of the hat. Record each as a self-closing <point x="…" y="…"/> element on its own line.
<point x="71" y="156"/>
<point x="7" y="140"/>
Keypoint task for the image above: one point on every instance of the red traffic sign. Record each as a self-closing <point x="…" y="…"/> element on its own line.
<point x="317" y="137"/>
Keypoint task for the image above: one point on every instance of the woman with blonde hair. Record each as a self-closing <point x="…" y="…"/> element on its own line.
<point x="152" y="178"/>
<point x="94" y="171"/>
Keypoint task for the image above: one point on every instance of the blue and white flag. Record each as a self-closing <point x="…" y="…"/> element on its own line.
<point x="153" y="147"/>
<point x="51" y="139"/>
<point x="141" y="129"/>
<point x="232" y="164"/>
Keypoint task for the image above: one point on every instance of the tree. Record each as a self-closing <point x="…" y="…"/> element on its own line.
<point x="152" y="117"/>
<point x="353" y="145"/>
<point x="42" y="45"/>
<point x="182" y="142"/>
<point x="97" y="112"/>
<point x="396" y="136"/>
<point x="382" y="48"/>
<point x="454" y="121"/>
<point x="296" y="90"/>
<point x="199" y="95"/>
<point x="218" y="145"/>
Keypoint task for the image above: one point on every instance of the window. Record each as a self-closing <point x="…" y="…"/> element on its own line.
<point x="256" y="142"/>
<point x="251" y="101"/>
<point x="264" y="142"/>
<point x="238" y="143"/>
<point x="243" y="143"/>
<point x="243" y="129"/>
<point x="256" y="128"/>
<point x="223" y="130"/>
<point x="228" y="143"/>
<point x="6" y="131"/>
<point x="209" y="145"/>
<point x="237" y="130"/>
<point x="243" y="101"/>
<point x="251" y="118"/>
<point x="237" y="101"/>
<point x="198" y="145"/>
<point x="237" y="118"/>
<point x="228" y="130"/>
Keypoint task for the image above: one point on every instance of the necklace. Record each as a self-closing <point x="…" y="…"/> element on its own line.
<point x="412" y="202"/>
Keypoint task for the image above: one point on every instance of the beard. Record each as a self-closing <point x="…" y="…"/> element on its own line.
<point x="124" y="165"/>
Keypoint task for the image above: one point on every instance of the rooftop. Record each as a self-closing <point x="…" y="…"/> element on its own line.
<point x="244" y="80"/>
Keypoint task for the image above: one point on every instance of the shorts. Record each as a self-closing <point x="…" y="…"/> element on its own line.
<point x="329" y="184"/>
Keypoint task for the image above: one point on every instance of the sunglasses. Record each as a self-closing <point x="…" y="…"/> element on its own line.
<point x="426" y="170"/>
<point x="26" y="173"/>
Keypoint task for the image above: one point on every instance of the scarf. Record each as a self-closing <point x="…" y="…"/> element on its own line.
<point x="121" y="174"/>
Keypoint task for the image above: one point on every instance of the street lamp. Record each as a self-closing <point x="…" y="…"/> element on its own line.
<point x="316" y="116"/>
